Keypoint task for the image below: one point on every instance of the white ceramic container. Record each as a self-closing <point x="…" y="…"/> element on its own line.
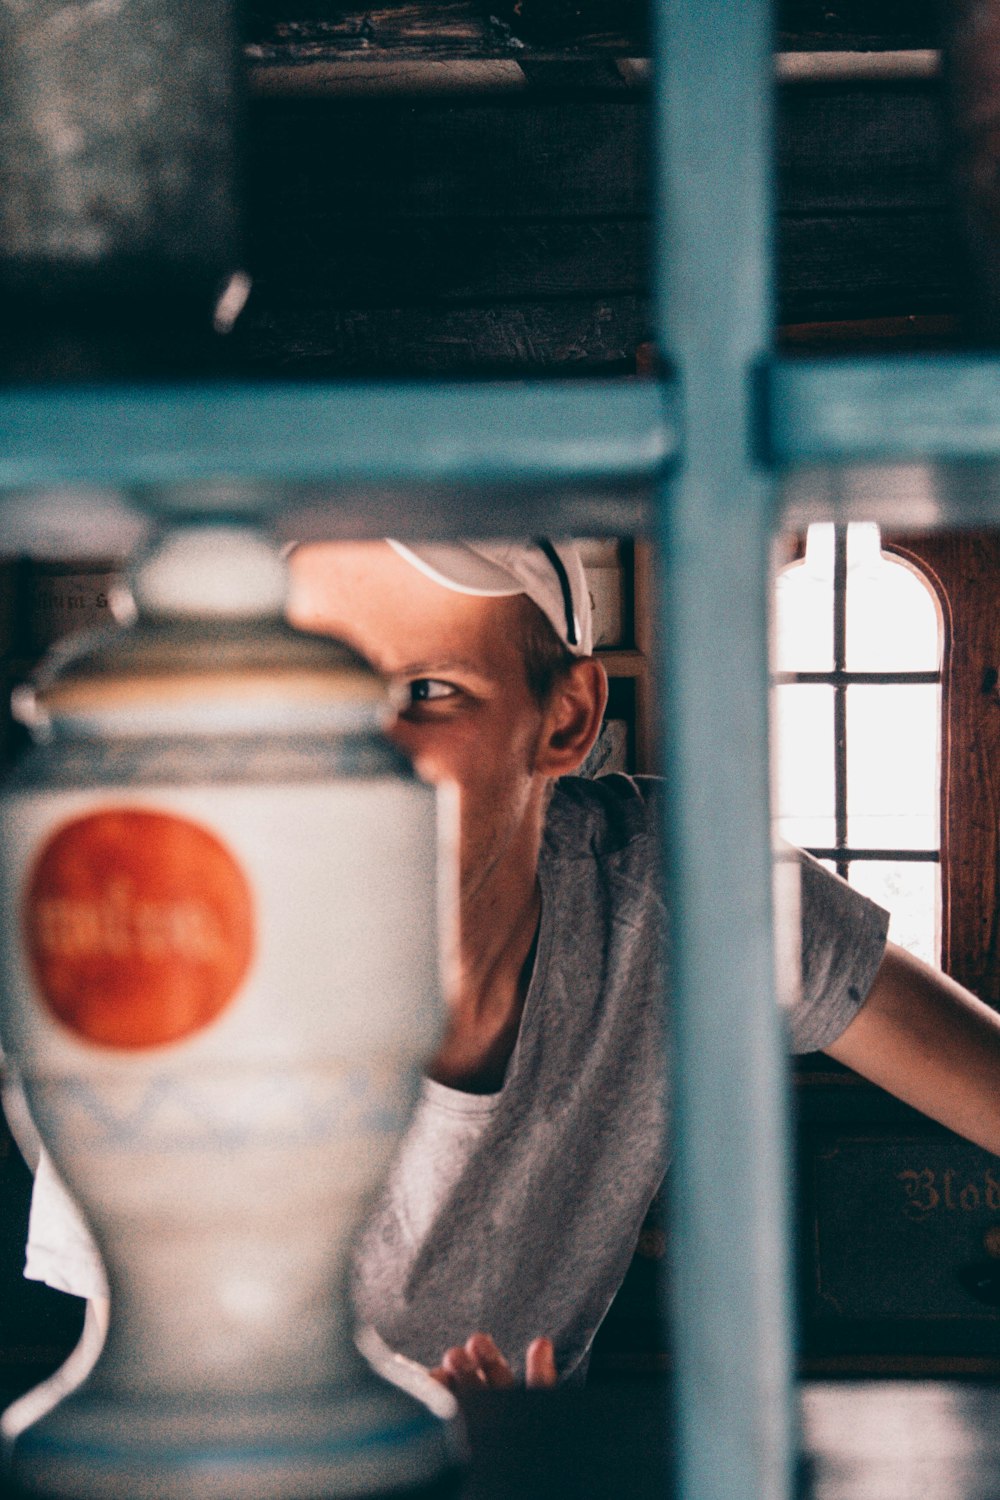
<point x="219" y="983"/>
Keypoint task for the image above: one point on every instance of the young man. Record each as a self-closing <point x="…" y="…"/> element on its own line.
<point x="515" y="1204"/>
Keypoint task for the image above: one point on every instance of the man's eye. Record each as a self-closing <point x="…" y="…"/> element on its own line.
<point x="427" y="689"/>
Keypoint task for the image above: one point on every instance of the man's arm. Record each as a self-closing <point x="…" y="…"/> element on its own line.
<point x="930" y="1042"/>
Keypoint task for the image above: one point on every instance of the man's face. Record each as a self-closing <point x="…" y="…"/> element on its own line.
<point x="469" y="716"/>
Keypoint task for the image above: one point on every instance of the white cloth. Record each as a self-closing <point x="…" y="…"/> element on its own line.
<point x="60" y="1250"/>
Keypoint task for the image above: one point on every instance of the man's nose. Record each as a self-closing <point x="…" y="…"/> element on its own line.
<point x="405" y="738"/>
<point x="401" y="734"/>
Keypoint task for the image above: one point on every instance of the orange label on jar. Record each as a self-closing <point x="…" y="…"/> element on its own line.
<point x="139" y="927"/>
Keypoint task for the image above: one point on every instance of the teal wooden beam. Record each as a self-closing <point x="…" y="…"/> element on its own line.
<point x="563" y="432"/>
<point x="942" y="407"/>
<point x="730" y="1287"/>
<point x="905" y="440"/>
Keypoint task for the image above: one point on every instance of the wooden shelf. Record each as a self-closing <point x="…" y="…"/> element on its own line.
<point x="622" y="663"/>
<point x="277" y="31"/>
<point x="637" y="663"/>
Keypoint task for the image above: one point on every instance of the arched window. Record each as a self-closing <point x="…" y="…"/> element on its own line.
<point x="858" y="723"/>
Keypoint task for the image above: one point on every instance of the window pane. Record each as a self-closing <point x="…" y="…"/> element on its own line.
<point x="804" y="608"/>
<point x="892" y="616"/>
<point x="910" y="893"/>
<point x="892" y="767"/>
<point x="804" y="785"/>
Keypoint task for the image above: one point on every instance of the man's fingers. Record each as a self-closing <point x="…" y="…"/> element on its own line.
<point x="464" y="1371"/>
<point x="540" y="1364"/>
<point x="496" y="1372"/>
<point x="479" y="1365"/>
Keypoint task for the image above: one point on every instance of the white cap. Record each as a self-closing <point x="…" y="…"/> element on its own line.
<point x="549" y="573"/>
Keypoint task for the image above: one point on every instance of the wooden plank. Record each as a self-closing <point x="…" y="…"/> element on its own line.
<point x="290" y="31"/>
<point x="909" y="331"/>
<point x="864" y="265"/>
<point x="857" y="25"/>
<point x="389" y="158"/>
<point x="372" y="262"/>
<point x="860" y="145"/>
<point x="591" y="75"/>
<point x="277" y="31"/>
<point x="851" y="267"/>
<point x="842" y="147"/>
<point x="571" y="337"/>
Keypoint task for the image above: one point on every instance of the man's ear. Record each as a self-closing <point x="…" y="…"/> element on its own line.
<point x="573" y="718"/>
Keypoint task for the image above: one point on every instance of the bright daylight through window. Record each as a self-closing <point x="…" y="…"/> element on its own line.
<point x="857" y="723"/>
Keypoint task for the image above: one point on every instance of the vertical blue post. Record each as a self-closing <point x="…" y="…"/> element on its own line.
<point x="712" y="259"/>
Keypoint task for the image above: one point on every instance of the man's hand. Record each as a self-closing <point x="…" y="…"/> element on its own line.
<point x="478" y="1365"/>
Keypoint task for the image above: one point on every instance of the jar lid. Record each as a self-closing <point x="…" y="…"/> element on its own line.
<point x="208" y="653"/>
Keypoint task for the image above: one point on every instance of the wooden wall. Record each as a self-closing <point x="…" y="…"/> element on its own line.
<point x="505" y="230"/>
<point x="510" y="234"/>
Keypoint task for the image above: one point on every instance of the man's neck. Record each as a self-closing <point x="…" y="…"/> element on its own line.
<point x="499" y="934"/>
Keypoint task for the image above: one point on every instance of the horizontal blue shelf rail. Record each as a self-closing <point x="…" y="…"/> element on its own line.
<point x="820" y="412"/>
<point x="909" y="441"/>
<point x="545" y="433"/>
<point x="883" y="408"/>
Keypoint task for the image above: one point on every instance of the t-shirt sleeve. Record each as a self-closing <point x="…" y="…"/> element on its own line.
<point x="843" y="938"/>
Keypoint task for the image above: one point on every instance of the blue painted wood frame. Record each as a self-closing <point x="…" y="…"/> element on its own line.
<point x="714" y="320"/>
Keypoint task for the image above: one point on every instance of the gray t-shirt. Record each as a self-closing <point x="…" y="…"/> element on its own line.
<point x="517" y="1213"/>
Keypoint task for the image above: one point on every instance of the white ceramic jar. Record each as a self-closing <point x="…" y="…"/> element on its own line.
<point x="219" y="983"/>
